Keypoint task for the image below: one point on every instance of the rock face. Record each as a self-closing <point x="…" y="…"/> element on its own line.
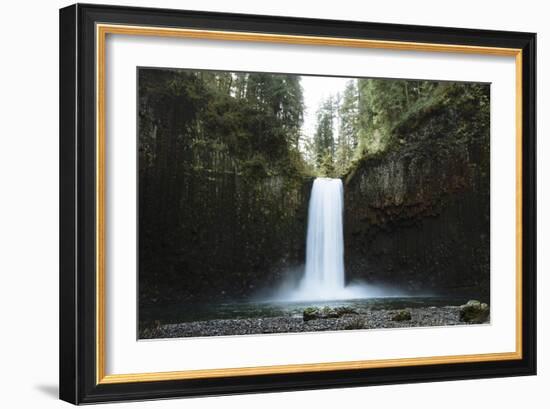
<point x="233" y="238"/>
<point x="417" y="216"/>
<point x="474" y="312"/>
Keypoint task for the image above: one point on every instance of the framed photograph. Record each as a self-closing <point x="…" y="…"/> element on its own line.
<point x="257" y="203"/>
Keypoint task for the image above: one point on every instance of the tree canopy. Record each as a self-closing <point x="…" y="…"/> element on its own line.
<point x="361" y="120"/>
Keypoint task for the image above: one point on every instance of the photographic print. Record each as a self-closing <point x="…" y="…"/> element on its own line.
<point x="241" y="196"/>
<point x="277" y="203"/>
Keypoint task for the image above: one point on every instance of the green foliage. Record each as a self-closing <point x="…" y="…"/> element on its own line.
<point x="365" y="115"/>
<point x="255" y="118"/>
<point x="382" y="103"/>
<point x="323" y="140"/>
<point x="374" y="115"/>
<point x="325" y="165"/>
<point x="348" y="113"/>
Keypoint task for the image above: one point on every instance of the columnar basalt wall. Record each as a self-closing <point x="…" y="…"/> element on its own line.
<point x="214" y="233"/>
<point x="418" y="215"/>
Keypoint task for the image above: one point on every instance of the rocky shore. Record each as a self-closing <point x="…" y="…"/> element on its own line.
<point x="311" y="321"/>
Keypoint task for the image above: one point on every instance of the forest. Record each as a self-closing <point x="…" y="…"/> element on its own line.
<point x="225" y="171"/>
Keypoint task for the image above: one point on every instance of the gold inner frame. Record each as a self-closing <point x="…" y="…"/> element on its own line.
<point x="101" y="33"/>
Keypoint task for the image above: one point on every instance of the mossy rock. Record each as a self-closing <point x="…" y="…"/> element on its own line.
<point x="310" y="313"/>
<point x="402" y="315"/>
<point x="313" y="313"/>
<point x="345" y="310"/>
<point x="474" y="312"/>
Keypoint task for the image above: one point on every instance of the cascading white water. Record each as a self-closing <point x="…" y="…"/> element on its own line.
<point x="324" y="277"/>
<point x="324" y="273"/>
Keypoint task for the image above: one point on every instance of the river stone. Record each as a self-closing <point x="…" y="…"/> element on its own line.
<point x="356" y="323"/>
<point x="402" y="315"/>
<point x="314" y="313"/>
<point x="474" y="312"/>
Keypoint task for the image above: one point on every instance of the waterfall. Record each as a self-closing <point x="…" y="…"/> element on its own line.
<point x="324" y="272"/>
<point x="324" y="276"/>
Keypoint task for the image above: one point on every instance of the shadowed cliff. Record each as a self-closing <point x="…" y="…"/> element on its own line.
<point x="417" y="213"/>
<point x="223" y="191"/>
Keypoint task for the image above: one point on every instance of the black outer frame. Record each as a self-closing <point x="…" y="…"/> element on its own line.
<point x="77" y="204"/>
